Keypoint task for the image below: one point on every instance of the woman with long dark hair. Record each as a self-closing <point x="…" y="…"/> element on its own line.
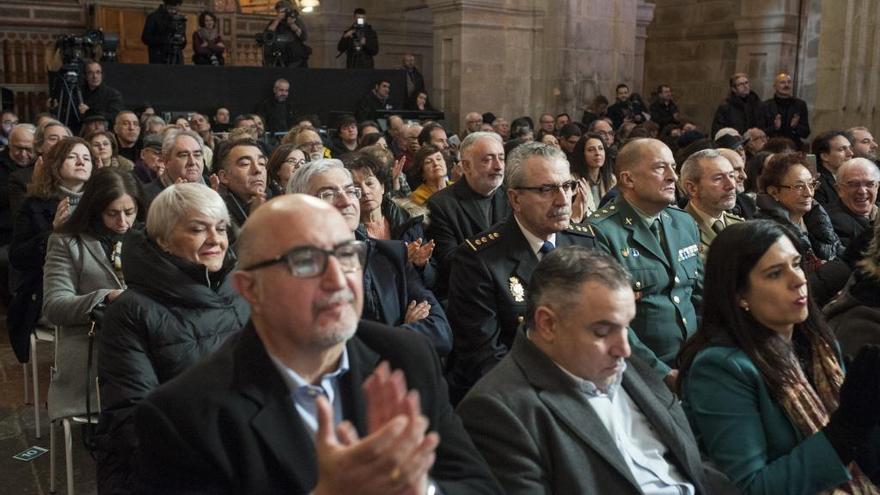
<point x="588" y="162"/>
<point x="762" y="378"/>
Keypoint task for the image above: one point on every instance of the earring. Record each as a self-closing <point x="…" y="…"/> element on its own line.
<point x="744" y="305"/>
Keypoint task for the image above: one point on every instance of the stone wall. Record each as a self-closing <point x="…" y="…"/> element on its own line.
<point x="848" y="68"/>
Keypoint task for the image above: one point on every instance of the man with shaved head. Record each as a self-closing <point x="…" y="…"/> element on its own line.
<point x="659" y="245"/>
<point x="784" y="115"/>
<point x="304" y="400"/>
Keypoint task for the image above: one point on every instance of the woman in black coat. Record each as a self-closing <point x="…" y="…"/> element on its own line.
<point x="787" y="186"/>
<point x="179" y="307"/>
<point x="53" y="194"/>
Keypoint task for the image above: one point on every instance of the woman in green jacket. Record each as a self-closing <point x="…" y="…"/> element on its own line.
<point x="762" y="379"/>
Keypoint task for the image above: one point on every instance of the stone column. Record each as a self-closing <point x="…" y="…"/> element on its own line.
<point x="767" y="35"/>
<point x="644" y="16"/>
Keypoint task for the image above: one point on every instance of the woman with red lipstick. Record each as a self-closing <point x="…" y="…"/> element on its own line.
<point x="179" y="307"/>
<point x="762" y="380"/>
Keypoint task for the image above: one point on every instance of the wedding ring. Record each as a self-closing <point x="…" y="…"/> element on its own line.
<point x="395" y="474"/>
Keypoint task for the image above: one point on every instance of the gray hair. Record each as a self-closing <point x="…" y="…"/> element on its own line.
<point x="691" y="170"/>
<point x="299" y="180"/>
<point x="561" y="273"/>
<point x="515" y="171"/>
<point x="31" y="128"/>
<point x="155" y="119"/>
<point x="855" y="163"/>
<point x="169" y="140"/>
<point x="472" y="138"/>
<point x="40" y="131"/>
<point x="176" y="202"/>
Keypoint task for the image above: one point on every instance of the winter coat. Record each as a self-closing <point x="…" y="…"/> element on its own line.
<point x="174" y="313"/>
<point x="819" y="237"/>
<point x="854" y="315"/>
<point x="741" y="114"/>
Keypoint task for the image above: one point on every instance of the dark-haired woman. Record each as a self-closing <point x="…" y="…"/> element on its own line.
<point x="787" y="185"/>
<point x="762" y="379"/>
<point x="832" y="149"/>
<point x="588" y="163"/>
<point x="430" y="172"/>
<point x="208" y="47"/>
<point x="53" y="194"/>
<point x="106" y="151"/>
<point x="284" y="161"/>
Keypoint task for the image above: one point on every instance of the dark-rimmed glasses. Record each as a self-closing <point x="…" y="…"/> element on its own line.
<point x="567" y="187"/>
<point x="311" y="261"/>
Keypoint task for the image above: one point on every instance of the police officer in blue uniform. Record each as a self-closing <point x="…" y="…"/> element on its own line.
<point x="491" y="271"/>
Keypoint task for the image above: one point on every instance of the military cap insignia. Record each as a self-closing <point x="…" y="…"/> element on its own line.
<point x="517" y="290"/>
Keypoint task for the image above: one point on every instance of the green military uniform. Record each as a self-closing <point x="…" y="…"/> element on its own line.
<point x="705" y="224"/>
<point x="667" y="283"/>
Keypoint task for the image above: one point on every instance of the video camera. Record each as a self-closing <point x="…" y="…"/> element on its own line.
<point x="288" y="12"/>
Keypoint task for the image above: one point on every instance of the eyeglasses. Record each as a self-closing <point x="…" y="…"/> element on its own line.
<point x="330" y="195"/>
<point x="548" y="189"/>
<point x="314" y="145"/>
<point x="311" y="261"/>
<point x="296" y="162"/>
<point x="856" y="185"/>
<point x="801" y="187"/>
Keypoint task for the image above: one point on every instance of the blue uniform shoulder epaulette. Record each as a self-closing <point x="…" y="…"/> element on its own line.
<point x="580" y="229"/>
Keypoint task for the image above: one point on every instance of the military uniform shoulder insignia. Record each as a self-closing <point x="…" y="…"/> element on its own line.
<point x="735" y="217"/>
<point x="604" y="212"/>
<point x="481" y="241"/>
<point x="577" y="229"/>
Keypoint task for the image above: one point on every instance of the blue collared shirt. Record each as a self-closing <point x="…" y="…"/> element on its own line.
<point x="304" y="394"/>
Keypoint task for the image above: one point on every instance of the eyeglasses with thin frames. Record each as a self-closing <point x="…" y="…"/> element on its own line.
<point x="567" y="187"/>
<point x="801" y="187"/>
<point x="311" y="261"/>
<point x="330" y="195"/>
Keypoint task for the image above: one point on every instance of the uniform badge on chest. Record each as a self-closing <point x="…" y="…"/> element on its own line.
<point x="517" y="290"/>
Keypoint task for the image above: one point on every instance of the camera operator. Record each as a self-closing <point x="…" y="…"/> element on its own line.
<point x="97" y="98"/>
<point x="208" y="47"/>
<point x="165" y="33"/>
<point x="290" y="38"/>
<point x="359" y="43"/>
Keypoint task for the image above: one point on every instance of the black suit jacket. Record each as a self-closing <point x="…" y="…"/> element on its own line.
<point x="397" y="283"/>
<point x="229" y="425"/>
<point x="487" y="294"/>
<point x="455" y="216"/>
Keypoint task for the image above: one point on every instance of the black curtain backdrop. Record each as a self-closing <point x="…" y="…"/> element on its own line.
<point x="204" y="88"/>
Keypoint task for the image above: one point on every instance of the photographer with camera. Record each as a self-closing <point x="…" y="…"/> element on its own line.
<point x="284" y="40"/>
<point x="165" y="33"/>
<point x="208" y="47"/>
<point x="359" y="43"/>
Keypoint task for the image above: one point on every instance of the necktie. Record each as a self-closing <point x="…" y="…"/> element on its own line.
<point x="546" y="247"/>
<point x="717" y="226"/>
<point x="655" y="229"/>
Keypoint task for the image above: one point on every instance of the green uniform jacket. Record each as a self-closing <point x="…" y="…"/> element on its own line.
<point x="668" y="287"/>
<point x="747" y="434"/>
<point x="707" y="235"/>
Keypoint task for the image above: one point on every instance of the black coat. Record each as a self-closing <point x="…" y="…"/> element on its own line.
<point x="278" y="115"/>
<point x="158" y="29"/>
<point x="847" y="225"/>
<point x="172" y="314"/>
<point x="456" y="216"/>
<point x="391" y="283"/>
<point x="32" y="226"/>
<point x="740" y="113"/>
<point x="408" y="228"/>
<point x="487" y="289"/>
<point x="826" y="194"/>
<point x="664" y="114"/>
<point x="368" y="105"/>
<point x="7" y="167"/>
<point x="854" y="315"/>
<point x="103" y="100"/>
<point x="230" y="426"/>
<point x="745" y="206"/>
<point x="359" y="55"/>
<point x="786" y="108"/>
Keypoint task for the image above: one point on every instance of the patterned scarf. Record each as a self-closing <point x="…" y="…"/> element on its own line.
<point x="810" y="409"/>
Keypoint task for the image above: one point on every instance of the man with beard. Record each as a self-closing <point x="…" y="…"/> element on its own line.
<point x="709" y="180"/>
<point x="241" y="168"/>
<point x="784" y="115"/>
<point x="183" y="156"/>
<point x="491" y="270"/>
<point x="278" y="109"/>
<point x="742" y="108"/>
<point x="470" y="205"/>
<point x="660" y="247"/>
<point x="258" y="415"/>
<point x="855" y="213"/>
<point x="745" y="207"/>
<point x="393" y="290"/>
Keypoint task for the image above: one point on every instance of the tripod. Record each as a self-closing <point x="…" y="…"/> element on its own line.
<point x="69" y="94"/>
<point x="273" y="56"/>
<point x="174" y="55"/>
